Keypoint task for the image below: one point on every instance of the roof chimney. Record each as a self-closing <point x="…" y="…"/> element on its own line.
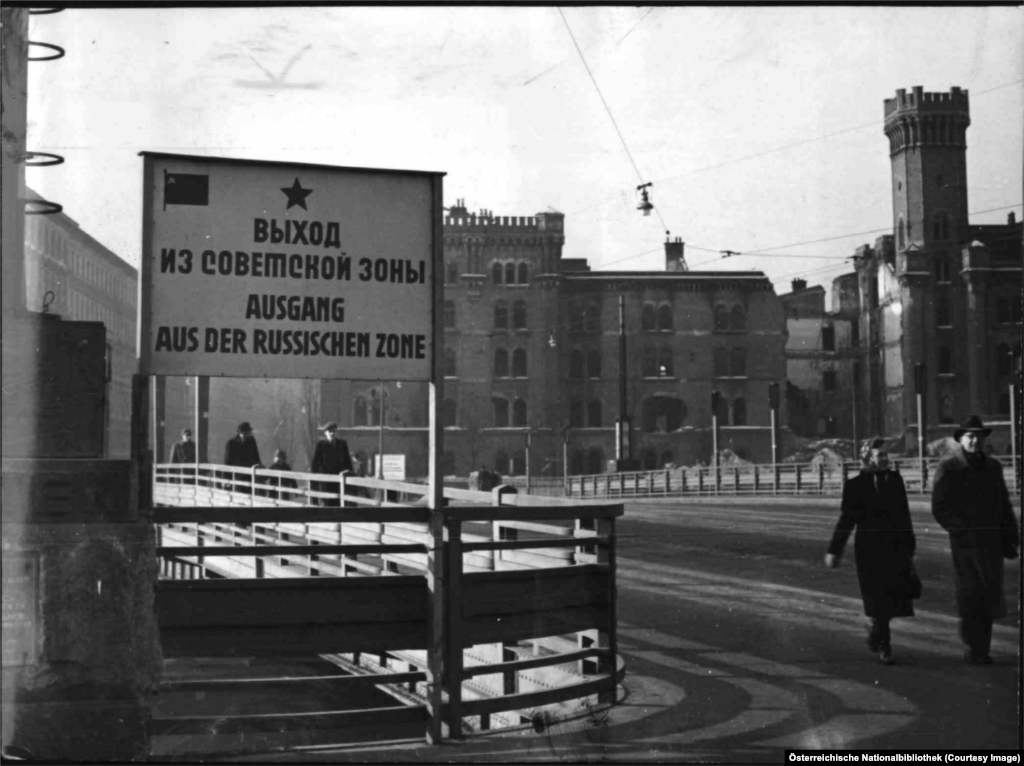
<point x="799" y="284"/>
<point x="674" y="255"/>
<point x="1011" y="219"/>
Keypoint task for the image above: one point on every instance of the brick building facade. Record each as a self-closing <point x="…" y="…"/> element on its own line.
<point x="532" y="356"/>
<point x="938" y="292"/>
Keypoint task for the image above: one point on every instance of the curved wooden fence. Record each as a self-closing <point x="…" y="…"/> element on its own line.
<point x="474" y="600"/>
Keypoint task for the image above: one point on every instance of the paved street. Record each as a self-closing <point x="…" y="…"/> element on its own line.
<point x="740" y="644"/>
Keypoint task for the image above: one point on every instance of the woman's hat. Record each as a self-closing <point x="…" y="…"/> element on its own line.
<point x="971" y="423"/>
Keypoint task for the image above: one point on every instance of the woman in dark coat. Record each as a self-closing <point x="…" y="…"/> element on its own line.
<point x="970" y="501"/>
<point x="875" y="503"/>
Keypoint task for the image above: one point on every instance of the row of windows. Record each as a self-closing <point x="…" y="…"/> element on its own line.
<point x="501" y="315"/>
<point x="654" y="363"/>
<point x="51" y="242"/>
<point x="726" y="318"/>
<point x="510" y="273"/>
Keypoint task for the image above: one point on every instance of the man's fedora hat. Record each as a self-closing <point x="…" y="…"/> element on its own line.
<point x="332" y="426"/>
<point x="244" y="427"/>
<point x="971" y="423"/>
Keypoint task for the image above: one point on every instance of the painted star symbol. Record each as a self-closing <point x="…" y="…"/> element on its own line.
<point x="296" y="195"/>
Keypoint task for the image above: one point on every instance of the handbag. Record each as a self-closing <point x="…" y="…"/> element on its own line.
<point x="914" y="586"/>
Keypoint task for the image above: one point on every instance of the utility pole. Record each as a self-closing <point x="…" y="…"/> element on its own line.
<point x="716" y="399"/>
<point x="773" y="404"/>
<point x="1013" y="436"/>
<point x="623" y="447"/>
<point x="919" y="390"/>
<point x="527" y="461"/>
<point x="380" y="432"/>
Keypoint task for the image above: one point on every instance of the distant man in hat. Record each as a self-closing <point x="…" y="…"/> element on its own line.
<point x="970" y="501"/>
<point x="183" y="451"/>
<point x="241" y="451"/>
<point x="331" y="456"/>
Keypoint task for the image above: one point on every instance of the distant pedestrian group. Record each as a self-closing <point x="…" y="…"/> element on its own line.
<point x="969" y="500"/>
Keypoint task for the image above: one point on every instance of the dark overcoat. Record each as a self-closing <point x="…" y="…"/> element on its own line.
<point x="184" y="452"/>
<point x="884" y="542"/>
<point x="972" y="504"/>
<point x="330" y="457"/>
<point x="242" y="453"/>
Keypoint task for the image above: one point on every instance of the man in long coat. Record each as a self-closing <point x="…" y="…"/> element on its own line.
<point x="331" y="456"/>
<point x="241" y="451"/>
<point x="970" y="501"/>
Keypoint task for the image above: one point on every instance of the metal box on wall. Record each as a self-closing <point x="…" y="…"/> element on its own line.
<point x="54" y="388"/>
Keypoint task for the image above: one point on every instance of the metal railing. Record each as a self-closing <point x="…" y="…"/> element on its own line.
<point x="786" y="479"/>
<point x="371" y="586"/>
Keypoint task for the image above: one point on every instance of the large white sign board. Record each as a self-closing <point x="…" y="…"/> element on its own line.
<point x="278" y="270"/>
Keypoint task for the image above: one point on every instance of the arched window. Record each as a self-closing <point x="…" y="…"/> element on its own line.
<point x="519" y="463"/>
<point x="519" y="315"/>
<point x="500" y="412"/>
<point x="501" y="464"/>
<point x="449" y="315"/>
<point x="1004" y="363"/>
<point x="828" y="338"/>
<point x="451" y="273"/>
<point x="519" y="413"/>
<point x="449" y="363"/>
<point x="647" y="318"/>
<point x="575" y="413"/>
<point x="496" y="272"/>
<point x="738" y="318"/>
<point x="595" y="460"/>
<point x="594" y="413"/>
<point x="721" y="362"/>
<point x="664" y="317"/>
<point x="576" y="364"/>
<point x="721" y="317"/>
<point x="739" y="412"/>
<point x="500" y="363"/>
<point x="592" y="318"/>
<point x="649" y="363"/>
<point x="519" y="363"/>
<point x="1003" y="311"/>
<point x="448" y="463"/>
<point x="576" y="317"/>
<point x="942" y="314"/>
<point x="739" y="362"/>
<point x="359" y="412"/>
<point x="667" y="457"/>
<point x="665" y="369"/>
<point x="901" y="235"/>
<point x="941" y="270"/>
<point x="500" y="315"/>
<point x="510" y="273"/>
<point x="524" y="274"/>
<point x="940" y="226"/>
<point x="945" y="360"/>
<point x="578" y="463"/>
<point x="448" y="412"/>
<point x="593" y="363"/>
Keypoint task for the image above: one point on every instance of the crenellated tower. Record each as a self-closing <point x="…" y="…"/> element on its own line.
<point x="928" y="147"/>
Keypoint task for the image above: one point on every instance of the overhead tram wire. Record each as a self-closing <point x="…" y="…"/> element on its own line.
<point x="608" y="108"/>
<point x="782" y="148"/>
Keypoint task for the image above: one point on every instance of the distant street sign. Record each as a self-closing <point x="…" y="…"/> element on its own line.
<point x="279" y="270"/>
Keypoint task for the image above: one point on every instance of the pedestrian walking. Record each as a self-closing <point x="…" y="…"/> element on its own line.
<point x="183" y="452"/>
<point x="242" y="451"/>
<point x="970" y="501"/>
<point x="330" y="456"/>
<point x="875" y="504"/>
<point x="281" y="464"/>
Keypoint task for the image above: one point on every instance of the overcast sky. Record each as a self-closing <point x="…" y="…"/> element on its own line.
<point x="760" y="128"/>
